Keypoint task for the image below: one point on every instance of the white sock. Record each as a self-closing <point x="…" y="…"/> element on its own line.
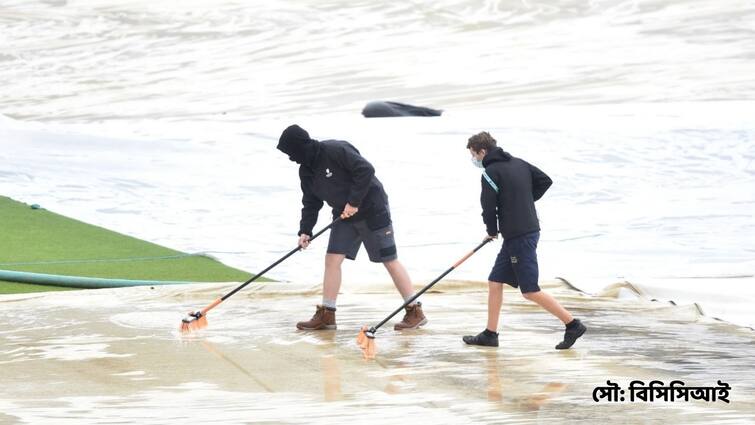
<point x="408" y="298"/>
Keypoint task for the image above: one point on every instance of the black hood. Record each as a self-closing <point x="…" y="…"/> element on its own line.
<point x="300" y="148"/>
<point x="495" y="155"/>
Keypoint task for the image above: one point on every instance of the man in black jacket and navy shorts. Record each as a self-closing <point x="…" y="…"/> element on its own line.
<point x="510" y="187"/>
<point x="333" y="171"/>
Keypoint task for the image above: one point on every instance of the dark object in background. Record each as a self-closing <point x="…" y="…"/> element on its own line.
<point x="379" y="109"/>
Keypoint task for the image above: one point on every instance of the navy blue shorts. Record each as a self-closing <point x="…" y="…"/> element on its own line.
<point x="516" y="264"/>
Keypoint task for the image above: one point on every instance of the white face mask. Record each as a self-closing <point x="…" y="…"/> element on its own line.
<point x="477" y="162"/>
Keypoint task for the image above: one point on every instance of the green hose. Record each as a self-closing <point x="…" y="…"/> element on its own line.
<point x="78" y="281"/>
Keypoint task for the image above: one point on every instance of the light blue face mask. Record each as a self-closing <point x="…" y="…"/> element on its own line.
<point x="477" y="162"/>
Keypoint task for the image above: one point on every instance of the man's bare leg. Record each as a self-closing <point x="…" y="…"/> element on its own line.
<point x="414" y="317"/>
<point x="495" y="301"/>
<point x="546" y="301"/>
<point x="400" y="278"/>
<point x="331" y="282"/>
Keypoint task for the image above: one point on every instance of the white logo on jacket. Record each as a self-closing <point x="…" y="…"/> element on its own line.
<point x="328" y="173"/>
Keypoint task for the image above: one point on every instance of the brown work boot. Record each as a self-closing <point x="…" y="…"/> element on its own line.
<point x="324" y="318"/>
<point x="413" y="318"/>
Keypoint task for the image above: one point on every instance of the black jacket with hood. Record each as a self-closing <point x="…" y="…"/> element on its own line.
<point x="511" y="209"/>
<point x="333" y="171"/>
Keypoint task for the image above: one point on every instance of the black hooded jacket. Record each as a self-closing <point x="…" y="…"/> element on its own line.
<point x="333" y="171"/>
<point x="511" y="208"/>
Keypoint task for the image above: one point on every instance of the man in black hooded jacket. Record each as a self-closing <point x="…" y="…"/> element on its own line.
<point x="510" y="187"/>
<point x="333" y="171"/>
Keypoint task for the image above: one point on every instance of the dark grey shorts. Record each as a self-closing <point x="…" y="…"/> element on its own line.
<point x="346" y="237"/>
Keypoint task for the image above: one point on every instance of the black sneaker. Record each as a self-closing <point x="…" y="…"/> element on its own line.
<point x="485" y="338"/>
<point x="574" y="330"/>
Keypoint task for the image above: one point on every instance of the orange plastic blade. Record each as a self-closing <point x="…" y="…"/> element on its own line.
<point x="366" y="343"/>
<point x="193" y="323"/>
<point x="361" y="338"/>
<point x="369" y="350"/>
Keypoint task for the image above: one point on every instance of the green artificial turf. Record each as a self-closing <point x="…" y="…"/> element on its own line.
<point x="40" y="241"/>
